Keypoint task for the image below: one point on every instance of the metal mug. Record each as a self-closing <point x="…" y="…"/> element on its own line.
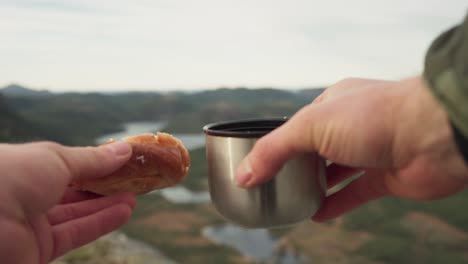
<point x="291" y="196"/>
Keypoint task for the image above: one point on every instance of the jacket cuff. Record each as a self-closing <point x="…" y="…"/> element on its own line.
<point x="446" y="75"/>
<point x="461" y="141"/>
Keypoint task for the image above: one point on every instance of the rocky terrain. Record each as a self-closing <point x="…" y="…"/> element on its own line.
<point x="115" y="248"/>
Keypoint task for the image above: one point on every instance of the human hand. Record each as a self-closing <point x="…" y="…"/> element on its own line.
<point x="394" y="132"/>
<point x="40" y="217"/>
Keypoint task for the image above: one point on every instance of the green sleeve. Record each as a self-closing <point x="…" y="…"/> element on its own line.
<point x="446" y="72"/>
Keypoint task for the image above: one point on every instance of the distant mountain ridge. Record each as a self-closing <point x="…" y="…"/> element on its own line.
<point x="77" y="118"/>
<point x="16" y="90"/>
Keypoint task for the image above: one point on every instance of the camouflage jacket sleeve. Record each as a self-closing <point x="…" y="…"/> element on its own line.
<point x="446" y="73"/>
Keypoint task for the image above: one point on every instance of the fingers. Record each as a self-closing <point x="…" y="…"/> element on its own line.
<point x="357" y="193"/>
<point x="73" y="196"/>
<point x="317" y="127"/>
<point x="75" y="233"/>
<point x="86" y="162"/>
<point x="268" y="155"/>
<point x="265" y="159"/>
<point x="63" y="213"/>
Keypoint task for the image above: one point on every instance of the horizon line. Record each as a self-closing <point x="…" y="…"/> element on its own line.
<point x="156" y="90"/>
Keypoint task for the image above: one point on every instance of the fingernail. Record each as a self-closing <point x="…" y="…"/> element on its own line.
<point x="244" y="174"/>
<point x="119" y="148"/>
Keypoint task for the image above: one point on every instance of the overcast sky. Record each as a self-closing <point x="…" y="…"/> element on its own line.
<point x="174" y="44"/>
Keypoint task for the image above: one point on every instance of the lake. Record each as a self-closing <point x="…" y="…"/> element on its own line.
<point x="180" y="195"/>
<point x="191" y="141"/>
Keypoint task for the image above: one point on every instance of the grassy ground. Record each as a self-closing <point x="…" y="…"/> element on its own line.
<point x="175" y="229"/>
<point x="413" y="232"/>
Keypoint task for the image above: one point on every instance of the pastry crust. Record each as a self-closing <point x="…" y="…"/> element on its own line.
<point x="158" y="161"/>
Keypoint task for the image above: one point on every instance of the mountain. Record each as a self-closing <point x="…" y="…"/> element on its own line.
<point x="13" y="127"/>
<point x="16" y="90"/>
<point x="78" y="118"/>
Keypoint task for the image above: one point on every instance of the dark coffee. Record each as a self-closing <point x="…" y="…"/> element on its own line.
<point x="244" y="128"/>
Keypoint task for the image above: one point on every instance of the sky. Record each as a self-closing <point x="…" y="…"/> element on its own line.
<point x="112" y="45"/>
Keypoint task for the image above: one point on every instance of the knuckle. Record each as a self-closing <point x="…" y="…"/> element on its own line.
<point x="345" y="81"/>
<point x="49" y="145"/>
<point x="331" y="90"/>
<point x="310" y="128"/>
<point x="323" y="143"/>
<point x="321" y="97"/>
<point x="64" y="162"/>
<point x="96" y="155"/>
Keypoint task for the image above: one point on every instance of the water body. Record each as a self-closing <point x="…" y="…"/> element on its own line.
<point x="257" y="244"/>
<point x="182" y="195"/>
<point x="131" y="129"/>
<point x="191" y="141"/>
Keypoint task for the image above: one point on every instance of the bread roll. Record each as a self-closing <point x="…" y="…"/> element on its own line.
<point x="158" y="161"/>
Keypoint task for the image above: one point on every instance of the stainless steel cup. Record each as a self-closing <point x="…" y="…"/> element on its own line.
<point x="291" y="196"/>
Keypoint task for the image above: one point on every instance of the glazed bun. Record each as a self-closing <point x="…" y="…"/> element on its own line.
<point x="158" y="161"/>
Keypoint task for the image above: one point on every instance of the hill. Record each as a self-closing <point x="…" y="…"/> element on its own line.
<point x="13" y="128"/>
<point x="78" y="118"/>
<point x="18" y="90"/>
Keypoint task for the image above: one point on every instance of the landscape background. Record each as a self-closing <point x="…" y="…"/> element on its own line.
<point x="389" y="230"/>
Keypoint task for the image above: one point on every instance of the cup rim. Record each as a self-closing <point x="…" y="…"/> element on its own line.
<point x="244" y="128"/>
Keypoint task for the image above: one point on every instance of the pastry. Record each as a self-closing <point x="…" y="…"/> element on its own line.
<point x="158" y="161"/>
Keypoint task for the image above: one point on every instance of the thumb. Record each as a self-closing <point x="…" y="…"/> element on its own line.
<point x="271" y="152"/>
<point x="50" y="167"/>
<point x="87" y="162"/>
